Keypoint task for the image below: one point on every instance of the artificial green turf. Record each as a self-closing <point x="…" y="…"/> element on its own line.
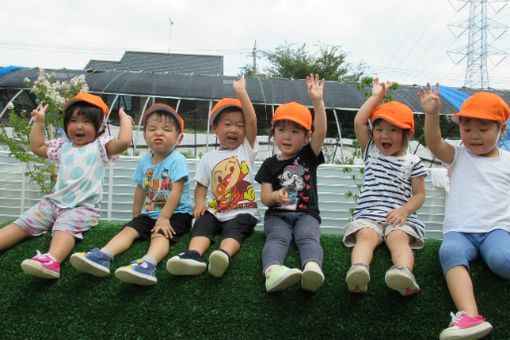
<point x="79" y="306"/>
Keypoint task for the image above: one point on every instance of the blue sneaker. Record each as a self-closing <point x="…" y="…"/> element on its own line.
<point x="139" y="272"/>
<point x="94" y="262"/>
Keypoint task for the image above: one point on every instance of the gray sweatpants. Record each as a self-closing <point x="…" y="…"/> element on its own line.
<point x="281" y="227"/>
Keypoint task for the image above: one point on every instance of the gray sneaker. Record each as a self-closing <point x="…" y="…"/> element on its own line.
<point x="401" y="279"/>
<point x="357" y="278"/>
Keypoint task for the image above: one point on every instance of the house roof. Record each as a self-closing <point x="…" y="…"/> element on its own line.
<point x="262" y="91"/>
<point x="162" y="62"/>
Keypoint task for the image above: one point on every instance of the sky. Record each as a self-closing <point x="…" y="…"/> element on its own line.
<point x="399" y="40"/>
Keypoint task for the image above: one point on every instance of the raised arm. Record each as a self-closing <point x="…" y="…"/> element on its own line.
<point x="316" y="92"/>
<point x="250" y="118"/>
<point x="360" y="120"/>
<point x="37" y="137"/>
<point x="431" y="105"/>
<point x="125" y="137"/>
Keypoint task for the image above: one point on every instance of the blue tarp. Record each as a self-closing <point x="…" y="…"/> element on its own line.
<point x="8" y="69"/>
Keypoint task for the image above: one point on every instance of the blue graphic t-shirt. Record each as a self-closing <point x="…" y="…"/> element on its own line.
<point x="157" y="179"/>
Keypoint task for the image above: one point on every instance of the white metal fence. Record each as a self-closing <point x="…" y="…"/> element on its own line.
<point x="17" y="195"/>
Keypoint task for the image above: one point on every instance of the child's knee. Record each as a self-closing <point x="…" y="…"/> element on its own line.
<point x="498" y="260"/>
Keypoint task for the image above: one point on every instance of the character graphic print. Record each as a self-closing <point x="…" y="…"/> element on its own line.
<point x="156" y="190"/>
<point x="230" y="189"/>
<point x="296" y="178"/>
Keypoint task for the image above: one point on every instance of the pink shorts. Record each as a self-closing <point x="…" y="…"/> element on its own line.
<point x="47" y="216"/>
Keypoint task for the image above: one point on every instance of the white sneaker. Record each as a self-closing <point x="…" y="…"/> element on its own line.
<point x="357" y="278"/>
<point x="312" y="278"/>
<point x="401" y="279"/>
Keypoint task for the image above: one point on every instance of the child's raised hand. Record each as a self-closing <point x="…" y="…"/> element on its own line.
<point x="430" y="99"/>
<point x="239" y="85"/>
<point x="379" y="89"/>
<point x="124" y="115"/>
<point x="315" y="87"/>
<point x="281" y="196"/>
<point x="397" y="217"/>
<point x="39" y="113"/>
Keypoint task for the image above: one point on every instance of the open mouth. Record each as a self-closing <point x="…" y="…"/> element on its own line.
<point x="386" y="145"/>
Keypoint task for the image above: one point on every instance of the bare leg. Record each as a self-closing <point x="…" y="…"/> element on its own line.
<point x="122" y="241"/>
<point x="11" y="235"/>
<point x="366" y="242"/>
<point x="398" y="243"/>
<point x="461" y="290"/>
<point x="230" y="245"/>
<point x="61" y="245"/>
<point x="159" y="247"/>
<point x="200" y="244"/>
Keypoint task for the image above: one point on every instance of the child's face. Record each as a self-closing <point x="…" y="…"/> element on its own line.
<point x="388" y="138"/>
<point x="80" y="129"/>
<point x="480" y="136"/>
<point x="229" y="128"/>
<point x="161" y="134"/>
<point x="289" y="138"/>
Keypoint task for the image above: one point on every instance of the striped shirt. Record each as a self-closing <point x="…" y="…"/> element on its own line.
<point x="387" y="186"/>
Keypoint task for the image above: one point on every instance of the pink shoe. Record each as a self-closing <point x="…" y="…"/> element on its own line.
<point x="466" y="327"/>
<point x="42" y="265"/>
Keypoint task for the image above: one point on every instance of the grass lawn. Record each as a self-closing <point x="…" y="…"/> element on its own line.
<point x="78" y="306"/>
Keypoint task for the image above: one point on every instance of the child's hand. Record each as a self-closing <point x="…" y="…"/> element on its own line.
<point x="199" y="209"/>
<point x="379" y="89"/>
<point x="39" y="113"/>
<point x="163" y="225"/>
<point x="315" y="87"/>
<point x="239" y="85"/>
<point x="430" y="99"/>
<point x="281" y="196"/>
<point x="124" y="115"/>
<point x="397" y="217"/>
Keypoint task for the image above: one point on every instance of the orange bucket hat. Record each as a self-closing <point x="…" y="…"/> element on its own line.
<point x="165" y="108"/>
<point x="222" y="105"/>
<point x="88" y="98"/>
<point x="396" y="113"/>
<point x="483" y="105"/>
<point x="294" y="112"/>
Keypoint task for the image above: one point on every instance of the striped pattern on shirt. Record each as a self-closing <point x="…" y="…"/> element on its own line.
<point x="387" y="186"/>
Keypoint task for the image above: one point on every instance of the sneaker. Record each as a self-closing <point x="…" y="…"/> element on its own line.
<point x="139" y="272"/>
<point x="188" y="262"/>
<point x="312" y="278"/>
<point x="466" y="327"/>
<point x="42" y="265"/>
<point x="281" y="277"/>
<point x="357" y="278"/>
<point x="94" y="262"/>
<point x="401" y="279"/>
<point x="218" y="263"/>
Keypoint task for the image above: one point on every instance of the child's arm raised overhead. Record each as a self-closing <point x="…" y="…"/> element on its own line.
<point x="250" y="118"/>
<point x="398" y="216"/>
<point x="316" y="92"/>
<point x="360" y="121"/>
<point x="431" y="104"/>
<point x="123" y="141"/>
<point x="37" y="136"/>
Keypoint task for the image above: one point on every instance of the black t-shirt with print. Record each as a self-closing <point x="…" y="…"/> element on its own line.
<point x="299" y="174"/>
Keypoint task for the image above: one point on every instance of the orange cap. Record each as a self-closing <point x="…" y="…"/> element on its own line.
<point x="295" y="112"/>
<point x="88" y="98"/>
<point x="396" y="113"/>
<point x="483" y="105"/>
<point x="165" y="108"/>
<point x="222" y="105"/>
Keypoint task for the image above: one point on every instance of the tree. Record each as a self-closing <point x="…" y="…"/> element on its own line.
<point x="55" y="94"/>
<point x="288" y="61"/>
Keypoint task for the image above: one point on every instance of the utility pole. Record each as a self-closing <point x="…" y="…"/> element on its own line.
<point x="254" y="55"/>
<point x="478" y="49"/>
<point x="170" y="24"/>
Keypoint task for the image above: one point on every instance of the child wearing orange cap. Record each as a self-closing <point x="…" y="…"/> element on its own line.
<point x="289" y="190"/>
<point x="477" y="216"/>
<point x="74" y="207"/>
<point x="393" y="189"/>
<point x="162" y="204"/>
<point x="231" y="209"/>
